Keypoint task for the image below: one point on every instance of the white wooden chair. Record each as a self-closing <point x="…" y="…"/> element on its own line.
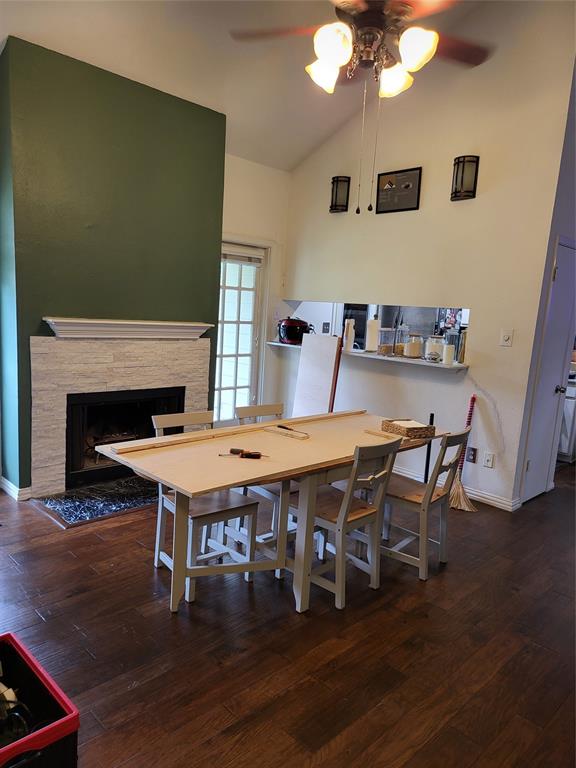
<point x="340" y="513"/>
<point x="423" y="499"/>
<point x="218" y="508"/>
<point x="250" y="414"/>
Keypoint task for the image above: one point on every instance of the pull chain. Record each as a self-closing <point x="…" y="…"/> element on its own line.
<point x="361" y="148"/>
<point x="370" y="208"/>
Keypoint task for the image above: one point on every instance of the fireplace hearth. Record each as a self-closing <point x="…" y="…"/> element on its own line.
<point x="101" y="418"/>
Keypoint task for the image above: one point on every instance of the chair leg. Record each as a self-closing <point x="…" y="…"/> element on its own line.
<point x="423" y="545"/>
<point x="250" y="523"/>
<point x="374" y="553"/>
<point x="321" y="538"/>
<point x="340" y="569"/>
<point x="194" y="533"/>
<point x="160" y="533"/>
<point x="282" y="526"/>
<point x="444" y="509"/>
<point x="274" y="524"/>
<point x="387" y="521"/>
<point x="206" y="532"/>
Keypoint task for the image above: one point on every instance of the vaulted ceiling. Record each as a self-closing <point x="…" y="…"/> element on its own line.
<point x="275" y="114"/>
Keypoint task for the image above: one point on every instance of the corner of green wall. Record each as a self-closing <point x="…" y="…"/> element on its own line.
<point x="118" y="193"/>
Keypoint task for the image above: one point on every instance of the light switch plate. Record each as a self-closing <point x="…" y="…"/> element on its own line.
<point x="506" y="337"/>
<point x="325" y="327"/>
<point x="488" y="461"/>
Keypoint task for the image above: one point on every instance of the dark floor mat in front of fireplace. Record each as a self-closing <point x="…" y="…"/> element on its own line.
<point x="92" y="502"/>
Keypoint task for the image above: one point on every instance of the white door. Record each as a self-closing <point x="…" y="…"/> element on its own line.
<point x="557" y="343"/>
<point x="238" y="347"/>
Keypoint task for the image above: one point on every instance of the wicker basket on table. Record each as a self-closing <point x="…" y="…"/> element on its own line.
<point x="408" y="428"/>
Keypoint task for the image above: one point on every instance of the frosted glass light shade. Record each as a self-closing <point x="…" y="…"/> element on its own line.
<point x="393" y="81"/>
<point x="333" y="44"/>
<point x="323" y="74"/>
<point x="417" y="46"/>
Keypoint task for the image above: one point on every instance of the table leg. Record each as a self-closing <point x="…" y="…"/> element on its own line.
<point x="304" y="542"/>
<point x="179" y="550"/>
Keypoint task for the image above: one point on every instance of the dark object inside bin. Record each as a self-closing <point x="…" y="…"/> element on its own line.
<point x="39" y="709"/>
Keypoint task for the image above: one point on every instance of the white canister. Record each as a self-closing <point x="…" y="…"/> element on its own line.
<point x="372" y="328"/>
<point x="349" y="334"/>
<point x="434" y="349"/>
<point x="448" y="354"/>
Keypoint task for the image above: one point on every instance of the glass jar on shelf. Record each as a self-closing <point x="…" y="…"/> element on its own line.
<point x="402" y="336"/>
<point x="434" y="349"/>
<point x="414" y="346"/>
<point x="386" y="345"/>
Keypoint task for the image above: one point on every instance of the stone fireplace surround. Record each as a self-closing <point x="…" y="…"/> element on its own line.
<point x="62" y="366"/>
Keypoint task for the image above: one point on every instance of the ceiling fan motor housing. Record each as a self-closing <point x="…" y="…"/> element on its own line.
<point x="369" y="29"/>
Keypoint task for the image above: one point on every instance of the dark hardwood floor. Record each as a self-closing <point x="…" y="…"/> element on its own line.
<point x="472" y="668"/>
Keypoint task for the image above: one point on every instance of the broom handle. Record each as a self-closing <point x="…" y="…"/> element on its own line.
<point x="428" y="452"/>
<point x="468" y="422"/>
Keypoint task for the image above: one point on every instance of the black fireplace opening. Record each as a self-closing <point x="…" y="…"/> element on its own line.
<point x="101" y="418"/>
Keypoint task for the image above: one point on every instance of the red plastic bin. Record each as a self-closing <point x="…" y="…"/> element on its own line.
<point x="54" y="744"/>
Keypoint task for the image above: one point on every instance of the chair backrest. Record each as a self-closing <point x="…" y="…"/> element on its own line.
<point x="196" y="419"/>
<point x="453" y="440"/>
<point x="372" y="469"/>
<point x="248" y="414"/>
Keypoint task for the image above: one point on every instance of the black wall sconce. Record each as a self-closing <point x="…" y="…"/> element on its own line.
<point x="465" y="177"/>
<point x="340" y="194"/>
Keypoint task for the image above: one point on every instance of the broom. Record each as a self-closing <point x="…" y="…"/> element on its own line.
<point x="458" y="496"/>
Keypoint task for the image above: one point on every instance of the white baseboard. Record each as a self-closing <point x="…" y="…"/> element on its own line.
<point x="20" y="494"/>
<point x="501" y="502"/>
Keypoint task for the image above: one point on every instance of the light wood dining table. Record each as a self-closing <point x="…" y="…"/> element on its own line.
<point x="191" y="465"/>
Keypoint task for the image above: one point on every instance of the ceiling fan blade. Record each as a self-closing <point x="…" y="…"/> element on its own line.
<point x="351" y="6"/>
<point x="421" y="8"/>
<point x="462" y="51"/>
<point x="247" y="35"/>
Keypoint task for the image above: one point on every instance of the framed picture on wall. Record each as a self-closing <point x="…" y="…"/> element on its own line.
<point x="398" y="191"/>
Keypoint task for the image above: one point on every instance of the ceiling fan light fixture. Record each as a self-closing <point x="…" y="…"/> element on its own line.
<point x="394" y="80"/>
<point x="417" y="46"/>
<point x="333" y="44"/>
<point x="323" y="74"/>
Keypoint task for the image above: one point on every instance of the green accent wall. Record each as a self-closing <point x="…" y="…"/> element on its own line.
<point x="117" y="194"/>
<point x="8" y="320"/>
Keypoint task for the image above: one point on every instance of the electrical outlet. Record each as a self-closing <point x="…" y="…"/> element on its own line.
<point x="488" y="460"/>
<point x="471" y="454"/>
<point x="506" y="337"/>
<point x="325" y="327"/>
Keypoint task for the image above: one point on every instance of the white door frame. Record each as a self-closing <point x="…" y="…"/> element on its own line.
<point x="535" y="367"/>
<point x="273" y="268"/>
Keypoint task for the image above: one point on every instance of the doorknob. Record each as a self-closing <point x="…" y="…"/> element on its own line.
<point x="560" y="390"/>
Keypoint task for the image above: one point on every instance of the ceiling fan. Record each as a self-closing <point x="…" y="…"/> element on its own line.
<point x="362" y="39"/>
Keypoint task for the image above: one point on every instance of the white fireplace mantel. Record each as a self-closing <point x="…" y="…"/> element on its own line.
<point x="91" y="328"/>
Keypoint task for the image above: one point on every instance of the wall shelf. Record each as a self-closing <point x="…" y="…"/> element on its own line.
<point x="283" y="346"/>
<point x="454" y="368"/>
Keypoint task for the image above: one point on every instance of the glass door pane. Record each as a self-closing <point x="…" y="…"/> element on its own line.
<point x="237" y="349"/>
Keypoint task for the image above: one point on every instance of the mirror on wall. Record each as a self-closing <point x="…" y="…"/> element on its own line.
<point x="390" y="330"/>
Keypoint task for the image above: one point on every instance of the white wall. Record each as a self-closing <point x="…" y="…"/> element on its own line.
<point x="563" y="228"/>
<point x="256" y="200"/>
<point x="487" y="254"/>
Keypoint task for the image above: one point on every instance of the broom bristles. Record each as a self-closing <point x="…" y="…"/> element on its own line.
<point x="459" y="498"/>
